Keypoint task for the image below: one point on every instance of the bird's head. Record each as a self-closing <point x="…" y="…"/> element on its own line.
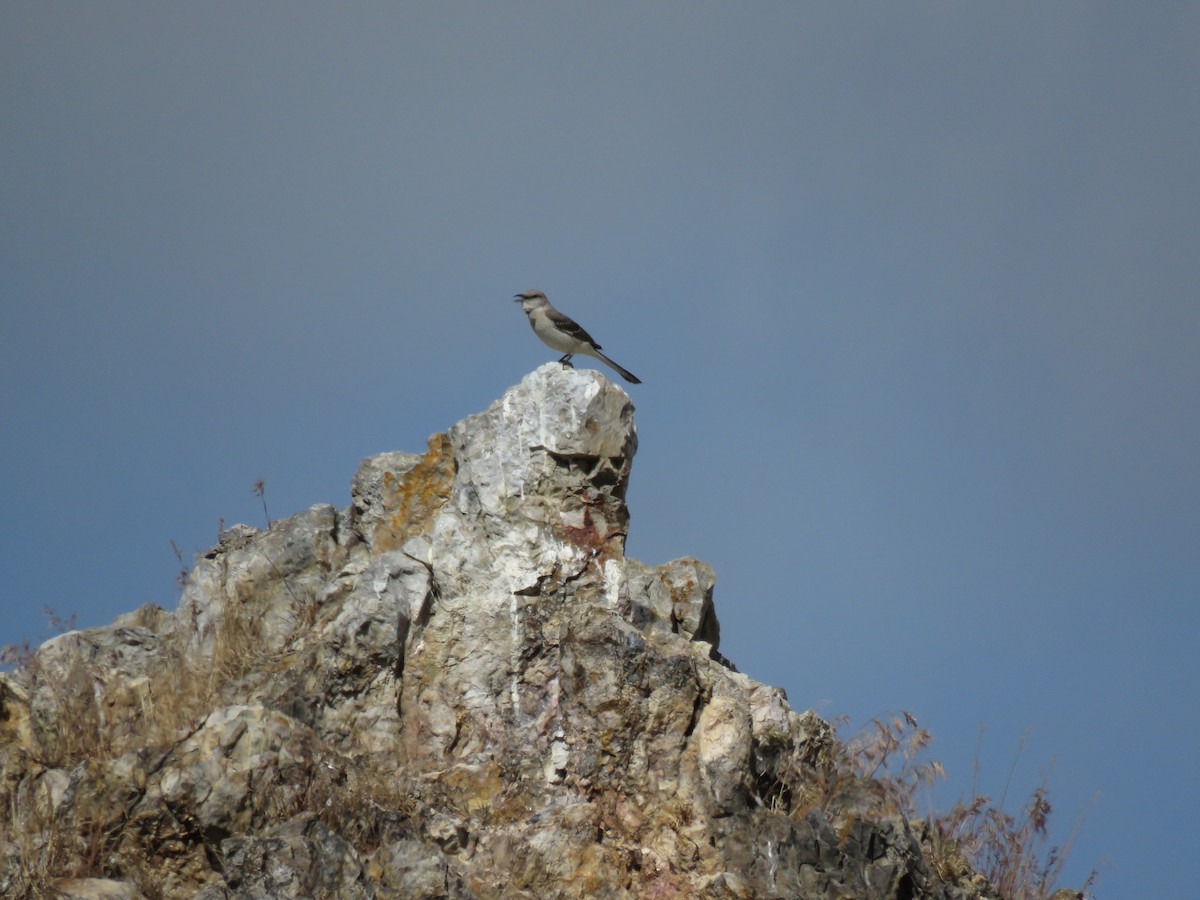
<point x="530" y="296"/>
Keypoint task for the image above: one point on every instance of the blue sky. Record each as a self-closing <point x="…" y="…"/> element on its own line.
<point x="913" y="289"/>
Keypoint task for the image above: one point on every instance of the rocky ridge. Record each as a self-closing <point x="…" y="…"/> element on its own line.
<point x="459" y="686"/>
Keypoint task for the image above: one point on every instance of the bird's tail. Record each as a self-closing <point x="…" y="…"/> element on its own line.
<point x="624" y="373"/>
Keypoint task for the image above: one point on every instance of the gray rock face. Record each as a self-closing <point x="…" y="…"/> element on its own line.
<point x="459" y="686"/>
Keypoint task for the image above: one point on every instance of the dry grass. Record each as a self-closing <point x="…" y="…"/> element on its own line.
<point x="363" y="803"/>
<point x="878" y="770"/>
<point x="81" y="714"/>
<point x="44" y="843"/>
<point x="881" y="771"/>
<point x="1013" y="852"/>
<point x="69" y="723"/>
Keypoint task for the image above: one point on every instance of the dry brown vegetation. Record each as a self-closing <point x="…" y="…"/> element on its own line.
<point x="43" y="842"/>
<point x="880" y="772"/>
<point x="877" y="773"/>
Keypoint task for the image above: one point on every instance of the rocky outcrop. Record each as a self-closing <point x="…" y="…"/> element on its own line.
<point x="459" y="686"/>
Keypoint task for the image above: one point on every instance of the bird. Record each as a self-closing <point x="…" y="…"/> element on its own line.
<point x="560" y="332"/>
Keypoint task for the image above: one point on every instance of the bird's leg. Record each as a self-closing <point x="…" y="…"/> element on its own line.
<point x="566" y="360"/>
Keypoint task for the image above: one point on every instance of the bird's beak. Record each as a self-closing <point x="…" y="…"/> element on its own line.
<point x="518" y="296"/>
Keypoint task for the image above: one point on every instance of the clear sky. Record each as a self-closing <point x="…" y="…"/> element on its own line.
<point x="914" y="290"/>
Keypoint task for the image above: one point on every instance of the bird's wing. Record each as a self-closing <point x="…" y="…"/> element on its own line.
<point x="569" y="326"/>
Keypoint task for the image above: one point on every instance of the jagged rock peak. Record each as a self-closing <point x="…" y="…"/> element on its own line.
<point x="459" y="686"/>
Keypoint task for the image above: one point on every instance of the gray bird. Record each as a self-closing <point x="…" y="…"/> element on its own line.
<point x="560" y="332"/>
